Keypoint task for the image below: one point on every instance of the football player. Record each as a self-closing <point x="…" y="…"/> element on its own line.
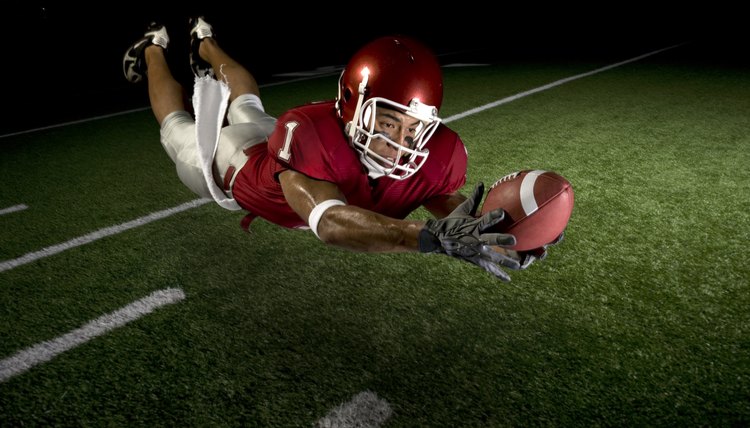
<point x="350" y="169"/>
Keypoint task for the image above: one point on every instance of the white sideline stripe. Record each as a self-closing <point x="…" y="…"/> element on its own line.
<point x="74" y="122"/>
<point x="30" y="257"/>
<point x="99" y="234"/>
<point x="105" y="116"/>
<point x="465" y="64"/>
<point x="552" y="85"/>
<point x="45" y="351"/>
<point x="300" y="79"/>
<point x="363" y="410"/>
<point x="14" y="208"/>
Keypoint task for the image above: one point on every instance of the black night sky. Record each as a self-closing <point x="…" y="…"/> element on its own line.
<point x="63" y="63"/>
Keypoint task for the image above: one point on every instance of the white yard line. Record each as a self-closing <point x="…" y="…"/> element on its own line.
<point x="47" y="350"/>
<point x="14" y="208"/>
<point x="551" y="85"/>
<point x="363" y="410"/>
<point x="91" y="237"/>
<point x="99" y="234"/>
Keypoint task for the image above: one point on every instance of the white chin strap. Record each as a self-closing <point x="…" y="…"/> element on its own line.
<point x="372" y="170"/>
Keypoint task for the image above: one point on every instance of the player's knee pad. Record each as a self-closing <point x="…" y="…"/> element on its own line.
<point x="177" y="133"/>
<point x="248" y="108"/>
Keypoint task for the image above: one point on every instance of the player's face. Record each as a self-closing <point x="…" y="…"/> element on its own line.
<point x="396" y="126"/>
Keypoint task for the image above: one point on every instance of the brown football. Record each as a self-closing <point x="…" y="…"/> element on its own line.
<point x="537" y="205"/>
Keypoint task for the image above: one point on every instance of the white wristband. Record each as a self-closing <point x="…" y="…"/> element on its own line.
<point x="318" y="211"/>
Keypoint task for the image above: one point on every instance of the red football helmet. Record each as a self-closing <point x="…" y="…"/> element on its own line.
<point x="397" y="73"/>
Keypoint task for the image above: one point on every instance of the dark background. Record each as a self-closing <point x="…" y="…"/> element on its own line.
<point x="64" y="62"/>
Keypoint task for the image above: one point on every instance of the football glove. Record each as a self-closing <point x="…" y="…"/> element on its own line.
<point x="526" y="258"/>
<point x="463" y="235"/>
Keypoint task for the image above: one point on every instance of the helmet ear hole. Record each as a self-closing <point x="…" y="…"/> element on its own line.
<point x="347" y="94"/>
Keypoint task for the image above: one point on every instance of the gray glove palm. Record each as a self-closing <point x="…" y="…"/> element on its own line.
<point x="463" y="235"/>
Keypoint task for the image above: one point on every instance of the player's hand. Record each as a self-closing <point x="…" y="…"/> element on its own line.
<point x="462" y="235"/>
<point x="526" y="258"/>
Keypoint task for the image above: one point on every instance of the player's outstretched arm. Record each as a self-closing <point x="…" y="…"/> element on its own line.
<point x="346" y="226"/>
<point x="460" y="234"/>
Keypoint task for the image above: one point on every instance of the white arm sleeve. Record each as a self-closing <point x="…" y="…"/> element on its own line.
<point x="318" y="211"/>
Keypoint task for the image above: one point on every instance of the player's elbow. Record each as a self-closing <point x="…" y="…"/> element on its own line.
<point x="328" y="227"/>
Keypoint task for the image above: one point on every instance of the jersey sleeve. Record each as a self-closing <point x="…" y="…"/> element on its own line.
<point x="297" y="145"/>
<point x="456" y="176"/>
<point x="450" y="158"/>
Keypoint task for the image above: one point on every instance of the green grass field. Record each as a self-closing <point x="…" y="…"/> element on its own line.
<point x="639" y="318"/>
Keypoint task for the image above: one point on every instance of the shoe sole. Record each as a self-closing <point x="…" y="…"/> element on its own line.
<point x="131" y="62"/>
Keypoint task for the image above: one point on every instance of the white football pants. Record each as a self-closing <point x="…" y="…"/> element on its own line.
<point x="249" y="125"/>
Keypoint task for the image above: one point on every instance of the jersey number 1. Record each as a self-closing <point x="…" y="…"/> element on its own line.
<point x="285" y="153"/>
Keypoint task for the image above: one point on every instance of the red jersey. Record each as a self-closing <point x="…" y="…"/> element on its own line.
<point x="310" y="139"/>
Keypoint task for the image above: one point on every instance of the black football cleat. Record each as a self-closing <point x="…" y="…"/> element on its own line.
<point x="134" y="63"/>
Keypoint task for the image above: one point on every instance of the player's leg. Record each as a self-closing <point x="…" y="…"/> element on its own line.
<point x="165" y="93"/>
<point x="207" y="57"/>
<point x="146" y="59"/>
<point x="249" y="123"/>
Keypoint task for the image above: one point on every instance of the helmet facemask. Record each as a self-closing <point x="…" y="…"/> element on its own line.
<point x="408" y="158"/>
